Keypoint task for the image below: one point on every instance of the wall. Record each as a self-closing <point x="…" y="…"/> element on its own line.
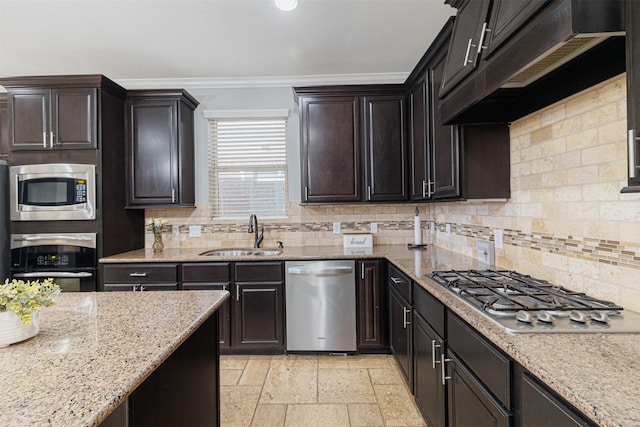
<point x="566" y="220"/>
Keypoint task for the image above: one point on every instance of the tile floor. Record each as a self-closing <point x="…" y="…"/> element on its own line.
<point x="314" y="390"/>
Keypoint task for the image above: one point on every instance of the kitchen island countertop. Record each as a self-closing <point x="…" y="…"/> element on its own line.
<point x="92" y="351"/>
<point x="597" y="373"/>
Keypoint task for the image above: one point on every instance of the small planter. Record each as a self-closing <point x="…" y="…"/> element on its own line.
<point x="12" y="330"/>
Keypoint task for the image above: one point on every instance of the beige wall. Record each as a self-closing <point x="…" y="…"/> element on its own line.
<point x="566" y="220"/>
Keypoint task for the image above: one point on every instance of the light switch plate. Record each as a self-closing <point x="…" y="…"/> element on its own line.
<point x="336" y="228"/>
<point x="195" y="231"/>
<point x="175" y="230"/>
<point x="497" y="238"/>
<point x="432" y="227"/>
<point x="447" y="229"/>
<point x="374" y="227"/>
<point x="486" y="252"/>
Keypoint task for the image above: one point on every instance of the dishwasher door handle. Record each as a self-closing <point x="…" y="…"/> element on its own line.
<point x="320" y="271"/>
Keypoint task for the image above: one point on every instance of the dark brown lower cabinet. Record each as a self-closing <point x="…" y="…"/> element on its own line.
<point x="400" y="334"/>
<point x="428" y="385"/>
<point x="539" y="406"/>
<point x="140" y="277"/>
<point x="183" y="390"/>
<point x="469" y="402"/>
<point x="258" y="308"/>
<point x="259" y="319"/>
<point x="371" y="320"/>
<point x="215" y="276"/>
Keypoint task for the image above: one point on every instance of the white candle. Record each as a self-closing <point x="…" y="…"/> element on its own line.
<point x="417" y="230"/>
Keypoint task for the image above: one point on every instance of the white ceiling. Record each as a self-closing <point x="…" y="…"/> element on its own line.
<point x="218" y="42"/>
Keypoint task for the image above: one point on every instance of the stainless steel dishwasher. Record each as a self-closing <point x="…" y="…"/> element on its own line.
<point x="321" y="306"/>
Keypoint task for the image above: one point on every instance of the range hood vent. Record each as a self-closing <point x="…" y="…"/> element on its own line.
<point x="555" y="58"/>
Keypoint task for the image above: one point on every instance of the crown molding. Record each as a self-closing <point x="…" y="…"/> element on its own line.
<point x="263" y="82"/>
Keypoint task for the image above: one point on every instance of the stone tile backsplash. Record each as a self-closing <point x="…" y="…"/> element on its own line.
<point x="566" y="220"/>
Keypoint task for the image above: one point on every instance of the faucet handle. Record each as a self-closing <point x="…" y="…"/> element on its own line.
<point x="279" y="243"/>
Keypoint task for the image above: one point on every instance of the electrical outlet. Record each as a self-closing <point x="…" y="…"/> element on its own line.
<point x="175" y="230"/>
<point x="195" y="231"/>
<point x="447" y="229"/>
<point x="336" y="228"/>
<point x="374" y="227"/>
<point x="497" y="237"/>
<point x="486" y="252"/>
<point x="432" y="227"/>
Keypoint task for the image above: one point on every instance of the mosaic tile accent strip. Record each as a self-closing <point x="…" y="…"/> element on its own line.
<point x="304" y="227"/>
<point x="604" y="251"/>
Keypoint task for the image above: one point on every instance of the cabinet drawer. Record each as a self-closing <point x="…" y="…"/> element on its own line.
<point x="486" y="362"/>
<point x="206" y="272"/>
<point x="259" y="272"/>
<point x="400" y="282"/>
<point x="429" y="308"/>
<point x="143" y="287"/>
<point x="141" y="273"/>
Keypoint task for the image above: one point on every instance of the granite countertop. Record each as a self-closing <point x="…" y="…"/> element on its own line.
<point x="598" y="373"/>
<point x="92" y="351"/>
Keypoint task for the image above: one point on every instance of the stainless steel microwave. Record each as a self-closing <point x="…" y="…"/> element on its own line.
<point x="53" y="192"/>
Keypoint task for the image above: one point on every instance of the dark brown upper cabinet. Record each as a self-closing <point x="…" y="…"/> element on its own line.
<point x="4" y="127"/>
<point x="330" y="148"/>
<point x="451" y="161"/>
<point x="160" y="148"/>
<point x="507" y="16"/>
<point x="353" y="143"/>
<point x="509" y="58"/>
<point x="465" y="47"/>
<point x="385" y="148"/>
<point x="59" y="119"/>
<point x="633" y="94"/>
<point x="434" y="147"/>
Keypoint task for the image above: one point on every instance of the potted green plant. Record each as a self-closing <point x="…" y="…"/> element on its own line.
<point x="20" y="304"/>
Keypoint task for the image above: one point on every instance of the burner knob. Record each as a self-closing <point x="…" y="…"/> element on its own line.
<point x="579" y="316"/>
<point x="546" y="317"/>
<point x="525" y="317"/>
<point x="599" y="316"/>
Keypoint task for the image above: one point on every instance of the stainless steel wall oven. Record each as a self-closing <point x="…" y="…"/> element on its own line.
<point x="68" y="258"/>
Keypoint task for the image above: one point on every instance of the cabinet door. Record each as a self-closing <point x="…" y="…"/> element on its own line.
<point x="224" y="312"/>
<point x="633" y="90"/>
<point x="469" y="403"/>
<point x="445" y="140"/>
<point x="29" y="113"/>
<point x="4" y="126"/>
<point x="541" y="408"/>
<point x="420" y="152"/>
<point x="330" y="152"/>
<point x="507" y="16"/>
<point x="463" y="50"/>
<point x="400" y="334"/>
<point x="429" y="391"/>
<point x="258" y="319"/>
<point x="371" y="325"/>
<point x="74" y="118"/>
<point x="152" y="152"/>
<point x="385" y="148"/>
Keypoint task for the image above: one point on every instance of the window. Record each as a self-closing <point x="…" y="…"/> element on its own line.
<point x="248" y="166"/>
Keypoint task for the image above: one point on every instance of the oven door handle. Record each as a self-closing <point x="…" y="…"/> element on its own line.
<point x="51" y="237"/>
<point x="47" y="274"/>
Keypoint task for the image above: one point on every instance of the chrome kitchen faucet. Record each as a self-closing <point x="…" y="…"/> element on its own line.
<point x="253" y="228"/>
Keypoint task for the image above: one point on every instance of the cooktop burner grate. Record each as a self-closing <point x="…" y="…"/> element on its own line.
<point x="503" y="292"/>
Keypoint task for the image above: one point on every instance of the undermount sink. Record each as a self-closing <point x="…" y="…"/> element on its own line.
<point x="241" y="252"/>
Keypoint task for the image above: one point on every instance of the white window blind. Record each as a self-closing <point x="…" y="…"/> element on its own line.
<point x="248" y="167"/>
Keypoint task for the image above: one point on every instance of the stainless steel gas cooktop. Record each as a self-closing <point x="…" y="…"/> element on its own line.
<point x="522" y="303"/>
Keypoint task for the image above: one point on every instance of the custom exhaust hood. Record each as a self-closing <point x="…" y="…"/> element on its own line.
<point x="566" y="47"/>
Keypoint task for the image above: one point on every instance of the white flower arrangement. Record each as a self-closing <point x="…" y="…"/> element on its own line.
<point x="156" y="225"/>
<point x="26" y="298"/>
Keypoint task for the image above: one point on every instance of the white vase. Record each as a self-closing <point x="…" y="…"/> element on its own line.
<point x="12" y="330"/>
